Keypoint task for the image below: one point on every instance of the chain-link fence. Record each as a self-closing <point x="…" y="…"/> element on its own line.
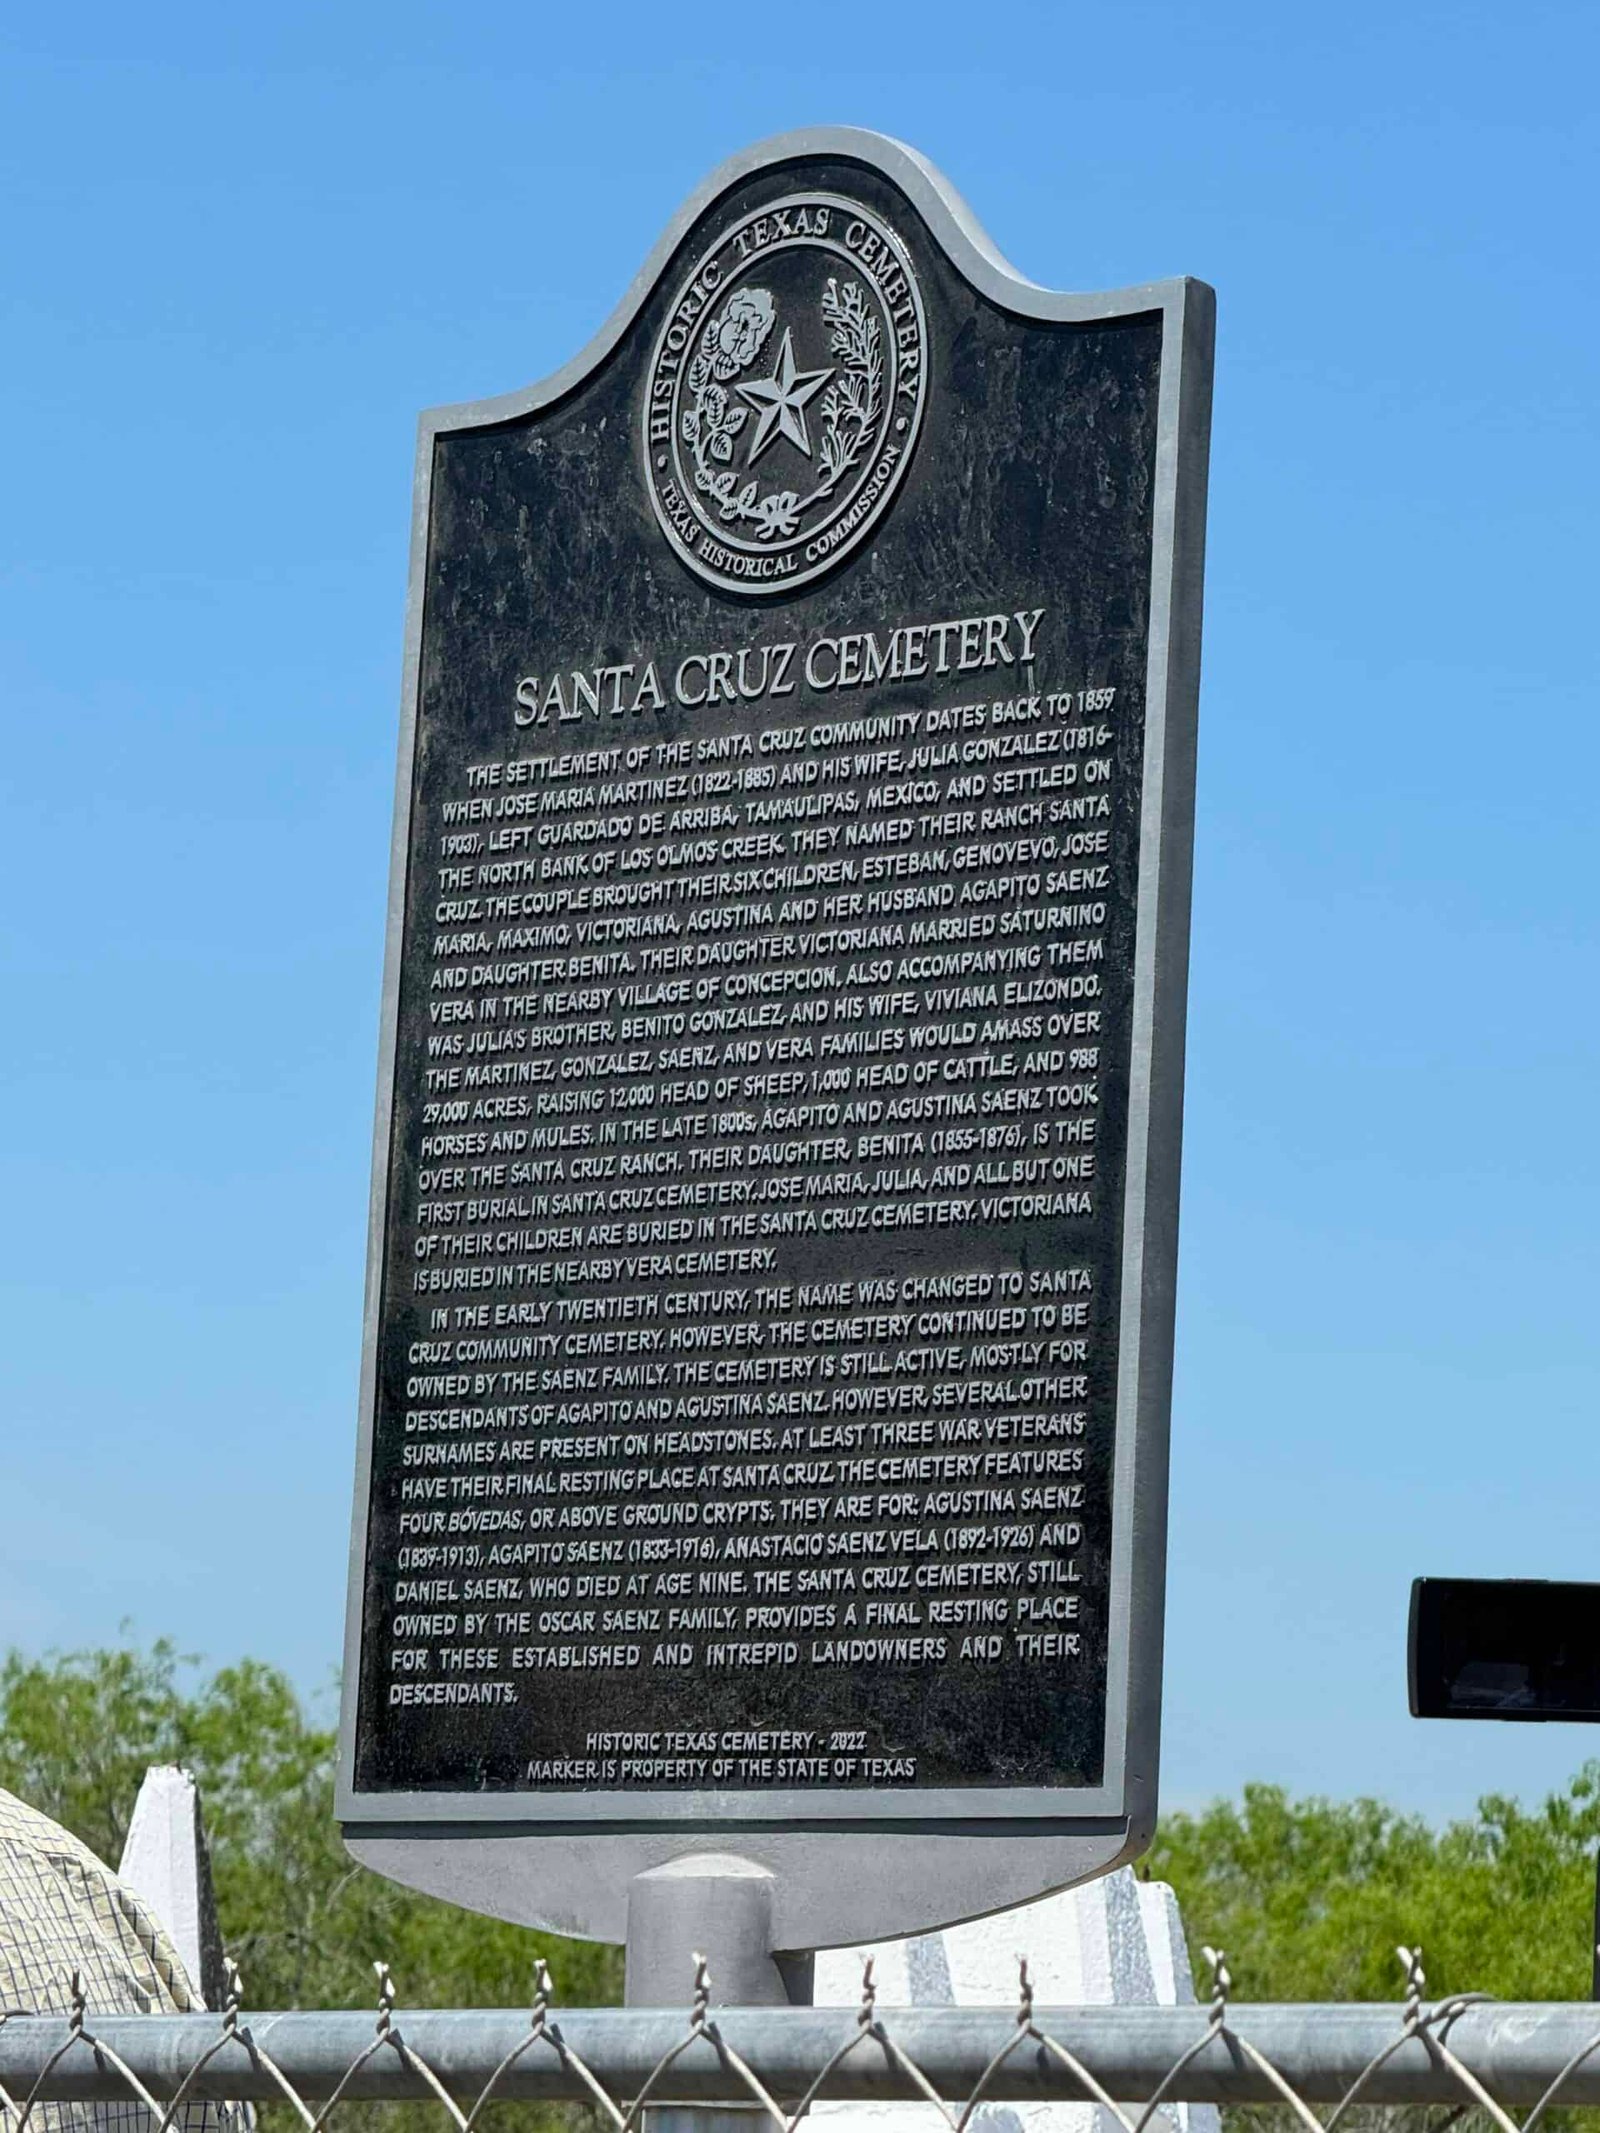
<point x="1513" y="2064"/>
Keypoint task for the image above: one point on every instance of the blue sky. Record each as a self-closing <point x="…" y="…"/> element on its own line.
<point x="243" y="247"/>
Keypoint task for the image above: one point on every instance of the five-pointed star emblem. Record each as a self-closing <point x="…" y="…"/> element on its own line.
<point x="781" y="401"/>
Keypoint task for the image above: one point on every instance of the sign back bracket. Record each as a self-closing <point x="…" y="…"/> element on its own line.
<point x="878" y="1882"/>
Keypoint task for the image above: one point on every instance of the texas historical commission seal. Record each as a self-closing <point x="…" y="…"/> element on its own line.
<point x="785" y="392"/>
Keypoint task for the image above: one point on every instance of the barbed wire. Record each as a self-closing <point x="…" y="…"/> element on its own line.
<point x="1466" y="2051"/>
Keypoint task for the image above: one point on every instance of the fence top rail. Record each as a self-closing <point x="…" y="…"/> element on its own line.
<point x="1465" y="2051"/>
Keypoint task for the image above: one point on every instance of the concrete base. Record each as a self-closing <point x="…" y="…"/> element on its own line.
<point x="1116" y="1942"/>
<point x="166" y="1864"/>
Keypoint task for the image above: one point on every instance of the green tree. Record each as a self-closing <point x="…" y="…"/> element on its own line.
<point x="1310" y="1898"/>
<point x="304" y="1923"/>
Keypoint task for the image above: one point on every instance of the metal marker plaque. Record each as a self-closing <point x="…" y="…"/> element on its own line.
<point x="775" y="1207"/>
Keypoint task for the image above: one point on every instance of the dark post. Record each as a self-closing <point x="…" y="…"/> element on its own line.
<point x="1522" y="1650"/>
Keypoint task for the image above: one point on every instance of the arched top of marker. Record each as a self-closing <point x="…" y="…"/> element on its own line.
<point x="949" y="219"/>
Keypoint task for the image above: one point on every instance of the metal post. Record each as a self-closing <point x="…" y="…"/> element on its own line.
<point x="718" y="1906"/>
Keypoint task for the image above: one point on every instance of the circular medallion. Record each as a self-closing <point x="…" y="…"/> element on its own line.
<point x="785" y="392"/>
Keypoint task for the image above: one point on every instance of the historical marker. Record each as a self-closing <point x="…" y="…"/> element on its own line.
<point x="770" y="1309"/>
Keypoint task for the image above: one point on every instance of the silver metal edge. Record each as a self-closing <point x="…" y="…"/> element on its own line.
<point x="378" y="1196"/>
<point x="1155" y="1108"/>
<point x="1155" y="1096"/>
<point x="1055" y="1810"/>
